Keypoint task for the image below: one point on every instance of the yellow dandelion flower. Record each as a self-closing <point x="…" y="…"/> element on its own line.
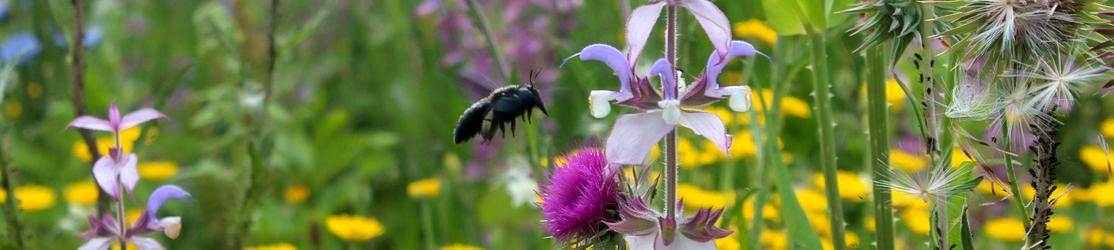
<point x="279" y="246"/>
<point x="424" y="188"/>
<point x="34" y="90"/>
<point x="82" y="193"/>
<point x="852" y="239"/>
<point x="906" y="161"/>
<point x="820" y="222"/>
<point x="757" y="29"/>
<point x="851" y="187"/>
<point x="1103" y="188"/>
<point x="687" y="154"/>
<point x="353" y="228"/>
<point x="32" y="198"/>
<point x="905" y="200"/>
<point x="773" y="239"/>
<point x="1095" y="158"/>
<point x="116" y="246"/>
<point x="132" y="215"/>
<point x="992" y="188"/>
<point x="894" y="94"/>
<point x="917" y="220"/>
<point x="1107" y="128"/>
<point x="812" y="201"/>
<point x="1081" y="194"/>
<point x="296" y="194"/>
<point x="868" y="222"/>
<point x="742" y="145"/>
<point x="459" y="246"/>
<point x="958" y="158"/>
<point x="769" y="212"/>
<point x="655" y="152"/>
<point x="696" y="197"/>
<point x="726" y="115"/>
<point x="12" y="109"/>
<point x="1007" y="229"/>
<point x="1060" y="224"/>
<point x="728" y="243"/>
<point x="158" y="170"/>
<point x="789" y="104"/>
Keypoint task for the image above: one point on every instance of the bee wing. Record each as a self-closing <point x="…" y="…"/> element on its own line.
<point x="471" y="122"/>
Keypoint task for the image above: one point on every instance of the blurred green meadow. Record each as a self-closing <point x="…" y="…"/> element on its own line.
<point x="347" y="144"/>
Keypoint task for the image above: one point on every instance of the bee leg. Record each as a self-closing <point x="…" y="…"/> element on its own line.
<point x="512" y="127"/>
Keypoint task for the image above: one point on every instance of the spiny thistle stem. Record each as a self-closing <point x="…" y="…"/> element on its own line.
<point x="822" y="95"/>
<point x="15" y="227"/>
<point x="480" y="21"/>
<point x="1044" y="176"/>
<point x="671" y="138"/>
<point x="879" y="146"/>
<point x="1012" y="176"/>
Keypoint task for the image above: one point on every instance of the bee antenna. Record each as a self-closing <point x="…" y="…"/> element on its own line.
<point x="534" y="76"/>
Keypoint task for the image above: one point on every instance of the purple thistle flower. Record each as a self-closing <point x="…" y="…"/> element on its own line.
<point x="580" y="193"/>
<point x="116" y="165"/>
<point x="105" y="229"/>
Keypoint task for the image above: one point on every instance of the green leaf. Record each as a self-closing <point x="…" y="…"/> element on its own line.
<point x="782" y="16"/>
<point x="965" y="230"/>
<point x="969" y="185"/>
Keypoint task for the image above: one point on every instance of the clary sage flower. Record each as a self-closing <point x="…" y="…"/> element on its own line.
<point x="710" y="17"/>
<point x="105" y="230"/>
<point x="644" y="228"/>
<point x="116" y="165"/>
<point x="634" y="135"/>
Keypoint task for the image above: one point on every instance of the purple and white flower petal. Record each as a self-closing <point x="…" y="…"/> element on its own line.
<point x="144" y="243"/>
<point x="639" y="26"/>
<point x="665" y="72"/>
<point x="140" y="116"/>
<point x="708" y="125"/>
<point x="99" y="243"/>
<point x="149" y="222"/>
<point x="89" y="122"/>
<point x="707" y="89"/>
<point x="714" y="22"/>
<point x="634" y="135"/>
<point x="105" y="172"/>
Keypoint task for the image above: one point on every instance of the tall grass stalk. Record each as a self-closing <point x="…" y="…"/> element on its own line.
<point x="1015" y="191"/>
<point x="879" y="146"/>
<point x="480" y="20"/>
<point x="822" y="95"/>
<point x="11" y="212"/>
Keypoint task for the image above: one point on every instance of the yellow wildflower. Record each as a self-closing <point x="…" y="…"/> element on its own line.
<point x="757" y="29"/>
<point x="34" y="90"/>
<point x="695" y="197"/>
<point x="958" y="158"/>
<point x="687" y="154"/>
<point x="1064" y="199"/>
<point x="917" y="220"/>
<point x="279" y="246"/>
<point x="1108" y="128"/>
<point x="1095" y="158"/>
<point x="158" y="170"/>
<point x="1099" y="190"/>
<point x="1060" y="224"/>
<point x="12" y="109"/>
<point x="869" y="223"/>
<point x="1081" y="194"/>
<point x="132" y="215"/>
<point x="812" y="201"/>
<point x="32" y="198"/>
<point x="904" y="200"/>
<point x="459" y="246"/>
<point x="789" y="104"/>
<point x="773" y="239"/>
<point x="820" y="222"/>
<point x="991" y="187"/>
<point x="127" y="140"/>
<point x="1007" y="229"/>
<point x="906" y="161"/>
<point x="851" y="187"/>
<point x="296" y="194"/>
<point x="629" y="172"/>
<point x="655" y="152"/>
<point x="82" y="193"/>
<point x="852" y="239"/>
<point x="424" y="188"/>
<point x="769" y="212"/>
<point x="726" y="115"/>
<point x="353" y="228"/>
<point x="728" y="243"/>
<point x="894" y="94"/>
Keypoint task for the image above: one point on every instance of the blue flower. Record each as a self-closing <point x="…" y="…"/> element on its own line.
<point x="20" y="48"/>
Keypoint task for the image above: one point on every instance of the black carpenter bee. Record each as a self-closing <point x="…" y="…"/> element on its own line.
<point x="498" y="109"/>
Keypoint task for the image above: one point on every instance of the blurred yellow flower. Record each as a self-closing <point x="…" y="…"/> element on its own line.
<point x="1064" y="199"/>
<point x="279" y="246"/>
<point x="773" y="239"/>
<point x="728" y="243"/>
<point x="353" y="228"/>
<point x="1081" y="194"/>
<point x="1060" y="224"/>
<point x="916" y="218"/>
<point x="812" y="200"/>
<point x="424" y="188"/>
<point x="34" y="90"/>
<point x="726" y="115"/>
<point x="158" y="170"/>
<point x="116" y="246"/>
<point x="851" y="187"/>
<point x="906" y="161"/>
<point x="629" y="172"/>
<point x="1107" y="128"/>
<point x="127" y="140"/>
<point x="820" y="222"/>
<point x="852" y="240"/>
<point x="894" y="94"/>
<point x="1101" y="192"/>
<point x="757" y="29"/>
<point x="1098" y="236"/>
<point x="769" y="212"/>
<point x="789" y="104"/>
<point x="1007" y="229"/>
<point x="988" y="186"/>
<point x="695" y="197"/>
<point x="132" y="215"/>
<point x="687" y="154"/>
<point x="32" y="197"/>
<point x="296" y="194"/>
<point x="1096" y="158"/>
<point x="459" y="246"/>
<point x="655" y="152"/>
<point x="904" y="200"/>
<point x="12" y="109"/>
<point x="868" y="222"/>
<point x="958" y="158"/>
<point x="82" y="193"/>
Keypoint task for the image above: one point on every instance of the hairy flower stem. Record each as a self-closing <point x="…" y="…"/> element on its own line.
<point x="822" y="95"/>
<point x="879" y="146"/>
<point x="1012" y="176"/>
<point x="925" y="62"/>
<point x="121" y="219"/>
<point x="15" y="228"/>
<point x="671" y="138"/>
<point x="77" y="95"/>
<point x="1043" y="177"/>
<point x="479" y="19"/>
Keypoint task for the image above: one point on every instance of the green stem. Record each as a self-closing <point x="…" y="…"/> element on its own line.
<point x="427" y="226"/>
<point x="1015" y="191"/>
<point x="15" y="228"/>
<point x="671" y="138"/>
<point x="479" y="17"/>
<point x="879" y="146"/>
<point x="822" y="95"/>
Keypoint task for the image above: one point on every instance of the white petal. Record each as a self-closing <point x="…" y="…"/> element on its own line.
<point x="172" y="226"/>
<point x="641" y="242"/>
<point x="633" y="136"/>
<point x="639" y="27"/>
<point x="708" y="125"/>
<point x="599" y="100"/>
<point x="739" y="100"/>
<point x="89" y="122"/>
<point x="96" y="244"/>
<point x="144" y="243"/>
<point x="129" y="174"/>
<point x="140" y="116"/>
<point x="105" y="172"/>
<point x="671" y="111"/>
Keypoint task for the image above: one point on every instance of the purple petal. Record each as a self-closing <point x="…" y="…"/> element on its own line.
<point x="639" y="26"/>
<point x="144" y="243"/>
<point x="89" y="122"/>
<point x="101" y="243"/>
<point x="713" y="21"/>
<point x="664" y="71"/>
<point x="634" y="135"/>
<point x="160" y="196"/>
<point x="140" y="116"/>
<point x="701" y="227"/>
<point x="114" y="116"/>
<point x="129" y="174"/>
<point x="708" y="125"/>
<point x="716" y="64"/>
<point x="614" y="59"/>
<point x="105" y="172"/>
<point x="636" y="218"/>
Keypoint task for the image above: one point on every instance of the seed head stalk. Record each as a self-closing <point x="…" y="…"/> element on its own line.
<point x="932" y="124"/>
<point x="671" y="138"/>
<point x="1012" y="175"/>
<point x="879" y="146"/>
